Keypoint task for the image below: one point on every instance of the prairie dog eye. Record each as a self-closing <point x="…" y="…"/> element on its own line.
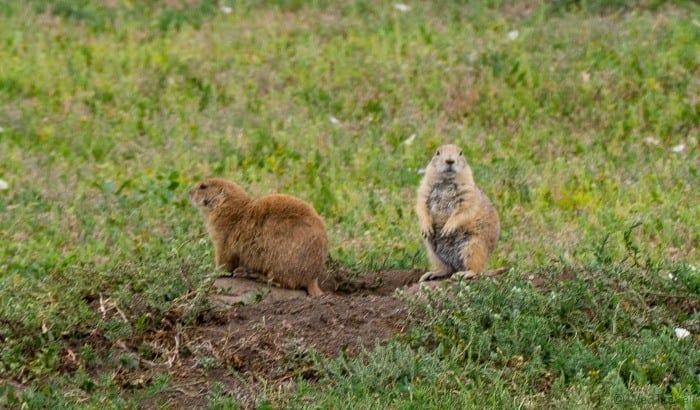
<point x="203" y="186"/>
<point x="437" y="153"/>
<point x="460" y="153"/>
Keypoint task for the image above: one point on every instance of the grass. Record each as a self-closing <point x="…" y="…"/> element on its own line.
<point x="584" y="341"/>
<point x="580" y="120"/>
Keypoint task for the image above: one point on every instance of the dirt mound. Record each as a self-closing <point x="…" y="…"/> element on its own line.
<point x="266" y="335"/>
<point x="271" y="342"/>
<point x="259" y="335"/>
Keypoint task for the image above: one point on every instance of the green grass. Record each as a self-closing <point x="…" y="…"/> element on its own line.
<point x="110" y="110"/>
<point x="587" y="341"/>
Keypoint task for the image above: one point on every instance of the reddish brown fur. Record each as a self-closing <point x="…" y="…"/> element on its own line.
<point x="279" y="236"/>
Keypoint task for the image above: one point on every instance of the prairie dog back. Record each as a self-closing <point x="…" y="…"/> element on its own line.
<point x="279" y="236"/>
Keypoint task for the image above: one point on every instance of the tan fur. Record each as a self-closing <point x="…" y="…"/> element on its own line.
<point x="279" y="236"/>
<point x="458" y="222"/>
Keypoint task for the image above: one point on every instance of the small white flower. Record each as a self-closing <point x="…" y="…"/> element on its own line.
<point x="678" y="148"/>
<point x="3" y="185"/>
<point x="333" y="120"/>
<point x="670" y="276"/>
<point x="681" y="333"/>
<point x="651" y="141"/>
<point x="226" y="9"/>
<point x="410" y="139"/>
<point x="402" y="7"/>
<point x="512" y="35"/>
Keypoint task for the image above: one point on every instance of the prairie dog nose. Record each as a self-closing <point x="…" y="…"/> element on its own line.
<point x="449" y="161"/>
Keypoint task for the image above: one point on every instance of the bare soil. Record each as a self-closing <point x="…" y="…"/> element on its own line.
<point x="256" y="336"/>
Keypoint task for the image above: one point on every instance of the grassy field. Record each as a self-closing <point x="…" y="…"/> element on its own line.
<point x="581" y="121"/>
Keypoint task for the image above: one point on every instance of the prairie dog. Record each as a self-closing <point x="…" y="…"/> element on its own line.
<point x="279" y="236"/>
<point x="458" y="222"/>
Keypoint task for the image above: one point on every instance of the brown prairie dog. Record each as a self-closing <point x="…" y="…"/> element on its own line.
<point x="458" y="222"/>
<point x="278" y="236"/>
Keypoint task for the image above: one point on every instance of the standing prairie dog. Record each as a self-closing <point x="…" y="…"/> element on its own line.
<point x="458" y="222"/>
<point x="278" y="236"/>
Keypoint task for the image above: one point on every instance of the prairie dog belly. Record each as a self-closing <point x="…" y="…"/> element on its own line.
<point x="444" y="198"/>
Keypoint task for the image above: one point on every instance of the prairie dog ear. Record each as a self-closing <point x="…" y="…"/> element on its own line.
<point x="215" y="199"/>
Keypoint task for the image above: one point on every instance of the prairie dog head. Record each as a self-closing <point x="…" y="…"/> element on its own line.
<point x="211" y="193"/>
<point x="448" y="159"/>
